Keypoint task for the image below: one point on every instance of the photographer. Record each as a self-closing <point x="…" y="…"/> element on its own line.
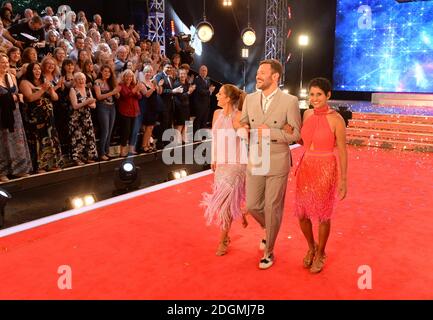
<point x="187" y="51"/>
<point x="27" y="34"/>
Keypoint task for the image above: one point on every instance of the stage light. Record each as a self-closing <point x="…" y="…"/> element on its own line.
<point x="177" y="174"/>
<point x="245" y="53"/>
<point x="248" y="36"/>
<point x="205" y="30"/>
<point x="303" y="40"/>
<point x="77" y="202"/>
<point x="89" y="200"/>
<point x="127" y="177"/>
<point x="303" y="93"/>
<point x="128" y="167"/>
<point x="4" y="198"/>
<point x="227" y="3"/>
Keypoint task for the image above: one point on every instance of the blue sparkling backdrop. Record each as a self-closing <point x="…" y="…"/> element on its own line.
<point x="384" y="45"/>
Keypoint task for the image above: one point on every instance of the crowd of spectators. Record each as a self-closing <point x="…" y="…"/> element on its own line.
<point x="69" y="86"/>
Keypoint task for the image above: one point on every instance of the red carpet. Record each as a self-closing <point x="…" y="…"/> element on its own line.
<point x="157" y="247"/>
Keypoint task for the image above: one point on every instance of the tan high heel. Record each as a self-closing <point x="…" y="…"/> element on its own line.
<point x="309" y="257"/>
<point x="222" y="247"/>
<point x="318" y="264"/>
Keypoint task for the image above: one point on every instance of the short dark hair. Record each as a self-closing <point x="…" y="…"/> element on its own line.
<point x="36" y="20"/>
<point x="322" y="83"/>
<point x="79" y="36"/>
<point x="276" y="66"/>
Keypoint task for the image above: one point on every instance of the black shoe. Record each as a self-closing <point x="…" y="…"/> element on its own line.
<point x="267" y="262"/>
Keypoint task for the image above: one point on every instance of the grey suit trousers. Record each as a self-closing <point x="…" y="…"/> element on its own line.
<point x="265" y="201"/>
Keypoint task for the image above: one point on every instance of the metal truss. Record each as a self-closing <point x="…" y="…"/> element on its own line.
<point x="156" y="22"/>
<point x="277" y="16"/>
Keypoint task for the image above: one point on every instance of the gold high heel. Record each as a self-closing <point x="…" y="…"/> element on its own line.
<point x="222" y="247"/>
<point x="309" y="257"/>
<point x="318" y="264"/>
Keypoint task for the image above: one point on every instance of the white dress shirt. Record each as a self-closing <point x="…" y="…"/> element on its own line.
<point x="266" y="101"/>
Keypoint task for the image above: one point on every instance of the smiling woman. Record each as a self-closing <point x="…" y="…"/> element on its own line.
<point x="317" y="180"/>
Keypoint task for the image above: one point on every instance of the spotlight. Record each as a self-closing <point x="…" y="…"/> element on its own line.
<point x="227" y="3"/>
<point x="248" y="36"/>
<point x="205" y="31"/>
<point x="177" y="174"/>
<point x="127" y="177"/>
<point x="89" y="200"/>
<point x="303" y="40"/>
<point x="303" y="94"/>
<point x="77" y="202"/>
<point x="4" y="198"/>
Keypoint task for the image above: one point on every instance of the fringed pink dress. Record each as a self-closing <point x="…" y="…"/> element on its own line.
<point x="227" y="200"/>
<point x="316" y="177"/>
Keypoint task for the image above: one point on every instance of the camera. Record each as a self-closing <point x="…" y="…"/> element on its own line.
<point x="182" y="37"/>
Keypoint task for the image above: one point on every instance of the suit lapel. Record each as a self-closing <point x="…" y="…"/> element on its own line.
<point x="259" y="106"/>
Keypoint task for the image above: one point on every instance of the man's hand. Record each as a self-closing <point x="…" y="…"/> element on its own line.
<point x="177" y="90"/>
<point x="19" y="44"/>
<point x="211" y="88"/>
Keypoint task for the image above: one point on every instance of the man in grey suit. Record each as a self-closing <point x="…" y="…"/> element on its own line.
<point x="264" y="114"/>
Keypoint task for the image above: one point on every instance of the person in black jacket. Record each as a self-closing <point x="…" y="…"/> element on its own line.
<point x="166" y="105"/>
<point x="201" y="98"/>
<point x="181" y="104"/>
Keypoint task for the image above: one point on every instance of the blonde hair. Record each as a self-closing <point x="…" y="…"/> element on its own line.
<point x="128" y="72"/>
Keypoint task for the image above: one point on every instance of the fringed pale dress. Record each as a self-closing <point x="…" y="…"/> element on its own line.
<point x="227" y="200"/>
<point x="316" y="177"/>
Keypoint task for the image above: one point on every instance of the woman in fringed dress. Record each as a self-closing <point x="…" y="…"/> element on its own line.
<point x="318" y="181"/>
<point x="225" y="204"/>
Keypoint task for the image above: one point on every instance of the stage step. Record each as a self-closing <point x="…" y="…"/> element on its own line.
<point x="392" y="118"/>
<point x="391" y="131"/>
<point x="390" y="144"/>
<point x="354" y="133"/>
<point x="391" y="125"/>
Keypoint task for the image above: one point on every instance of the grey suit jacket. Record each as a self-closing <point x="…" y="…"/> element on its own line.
<point x="283" y="110"/>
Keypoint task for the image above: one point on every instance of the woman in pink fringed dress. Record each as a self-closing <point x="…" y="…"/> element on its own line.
<point x="225" y="204"/>
<point x="317" y="178"/>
